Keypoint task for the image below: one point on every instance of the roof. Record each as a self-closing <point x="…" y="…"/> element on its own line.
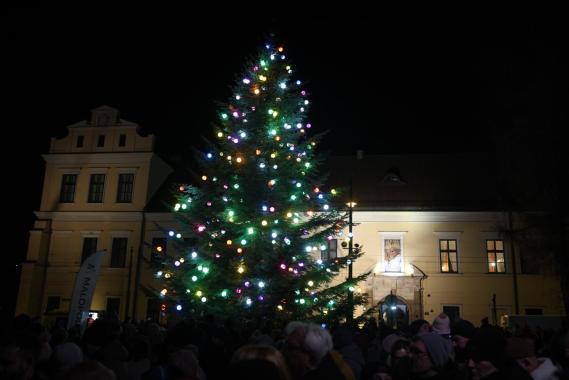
<point x="461" y="182"/>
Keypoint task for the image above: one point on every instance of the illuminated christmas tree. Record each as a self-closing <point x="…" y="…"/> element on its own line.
<point x="258" y="236"/>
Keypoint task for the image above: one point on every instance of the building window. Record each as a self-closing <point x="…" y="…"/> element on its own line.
<point x="449" y="255"/>
<point x="330" y="251"/>
<point x="113" y="306"/>
<point x="68" y="183"/>
<point x="124" y="191"/>
<point x="89" y="247"/>
<point x="118" y="253"/>
<point x="122" y="140"/>
<point x="153" y="309"/>
<point x="96" y="188"/>
<point x="80" y="140"/>
<point x="159" y="246"/>
<point x="101" y="141"/>
<point x="53" y="303"/>
<point x="495" y="253"/>
<point x="453" y="312"/>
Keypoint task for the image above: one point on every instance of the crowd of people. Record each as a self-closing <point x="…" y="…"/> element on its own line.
<point x="205" y="348"/>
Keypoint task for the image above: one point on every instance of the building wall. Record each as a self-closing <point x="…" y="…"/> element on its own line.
<point x="472" y="288"/>
<point x="56" y="242"/>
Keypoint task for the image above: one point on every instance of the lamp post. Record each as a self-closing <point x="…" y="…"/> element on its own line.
<point x="351" y="204"/>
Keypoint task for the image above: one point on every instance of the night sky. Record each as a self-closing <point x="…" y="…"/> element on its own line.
<point x="385" y="80"/>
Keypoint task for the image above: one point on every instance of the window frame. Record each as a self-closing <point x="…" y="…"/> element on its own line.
<point x="118" y="259"/>
<point x="64" y="185"/>
<point x="121" y="198"/>
<point x="95" y="190"/>
<point x="84" y="253"/>
<point x="495" y="251"/>
<point x="331" y="246"/>
<point x="448" y="251"/>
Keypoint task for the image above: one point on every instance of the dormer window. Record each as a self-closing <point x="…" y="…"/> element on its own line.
<point x="392" y="176"/>
<point x="122" y="140"/>
<point x="101" y="141"/>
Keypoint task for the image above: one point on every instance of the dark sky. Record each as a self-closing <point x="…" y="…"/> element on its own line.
<point x="386" y="80"/>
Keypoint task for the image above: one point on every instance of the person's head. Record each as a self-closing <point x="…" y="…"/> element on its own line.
<point x="419" y="356"/>
<point x="90" y="370"/>
<point x="16" y="363"/>
<point x="258" y="361"/>
<point x="342" y="337"/>
<point x="486" y="351"/>
<point x="429" y="352"/>
<point x="462" y="331"/>
<point x="183" y="365"/>
<point x="522" y="350"/>
<point x="306" y="345"/>
<point x="441" y="325"/>
<point x="67" y="355"/>
<point x="400" y="349"/>
<point x="419" y="326"/>
<point x="318" y="342"/>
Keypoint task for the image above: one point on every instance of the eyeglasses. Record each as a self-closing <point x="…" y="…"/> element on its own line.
<point x="417" y="351"/>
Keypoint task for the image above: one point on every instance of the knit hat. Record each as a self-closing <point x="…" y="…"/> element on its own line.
<point x="519" y="348"/>
<point x="439" y="349"/>
<point x="441" y="324"/>
<point x="464" y="328"/>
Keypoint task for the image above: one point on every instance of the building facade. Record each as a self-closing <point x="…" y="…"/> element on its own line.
<point x="434" y="237"/>
<point x="98" y="180"/>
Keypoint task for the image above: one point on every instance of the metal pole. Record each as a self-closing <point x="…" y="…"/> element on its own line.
<point x="350" y="316"/>
<point x="514" y="269"/>
<point x="494" y="311"/>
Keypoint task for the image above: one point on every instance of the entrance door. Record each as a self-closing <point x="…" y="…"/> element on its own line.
<point x="394" y="311"/>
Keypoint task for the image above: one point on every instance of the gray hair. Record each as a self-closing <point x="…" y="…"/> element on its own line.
<point x="318" y="341"/>
<point x="291" y="326"/>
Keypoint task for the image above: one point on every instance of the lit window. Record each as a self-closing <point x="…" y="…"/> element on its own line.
<point x="449" y="255"/>
<point x="495" y="253"/>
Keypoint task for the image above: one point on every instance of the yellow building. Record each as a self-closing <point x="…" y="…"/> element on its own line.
<point x="98" y="180"/>
<point x="435" y="239"/>
<point x="432" y="232"/>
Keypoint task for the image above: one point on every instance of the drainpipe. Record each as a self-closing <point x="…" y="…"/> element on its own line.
<point x="514" y="269"/>
<point x="128" y="284"/>
<point x="45" y="262"/>
<point x="138" y="263"/>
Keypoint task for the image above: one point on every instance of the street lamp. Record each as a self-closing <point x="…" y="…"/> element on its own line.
<point x="351" y="204"/>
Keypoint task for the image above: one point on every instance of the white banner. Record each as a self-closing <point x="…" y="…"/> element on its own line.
<point x="84" y="289"/>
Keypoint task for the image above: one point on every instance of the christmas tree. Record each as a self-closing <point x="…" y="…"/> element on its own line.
<point x="258" y="233"/>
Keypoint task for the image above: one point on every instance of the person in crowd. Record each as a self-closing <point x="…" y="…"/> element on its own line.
<point x="258" y="362"/>
<point x="522" y="349"/>
<point x="419" y="326"/>
<point x="430" y="356"/>
<point x="90" y="370"/>
<point x="441" y="326"/>
<point x="343" y="340"/>
<point x="182" y="365"/>
<point x="487" y="357"/>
